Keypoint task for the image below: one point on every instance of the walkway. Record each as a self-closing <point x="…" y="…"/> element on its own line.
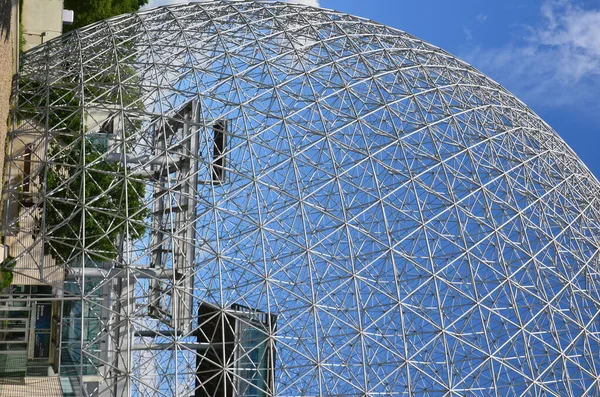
<point x="8" y="40"/>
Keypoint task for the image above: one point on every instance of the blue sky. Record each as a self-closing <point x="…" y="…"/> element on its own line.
<point x="546" y="52"/>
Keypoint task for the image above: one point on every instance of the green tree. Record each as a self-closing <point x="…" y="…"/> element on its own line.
<point x="59" y="103"/>
<point x="6" y="274"/>
<point x="90" y="11"/>
<point x="97" y="201"/>
<point x="113" y="203"/>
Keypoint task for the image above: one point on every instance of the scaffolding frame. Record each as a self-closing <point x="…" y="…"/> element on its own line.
<point x="415" y="228"/>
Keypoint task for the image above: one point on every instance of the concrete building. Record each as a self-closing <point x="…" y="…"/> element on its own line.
<point x="43" y="20"/>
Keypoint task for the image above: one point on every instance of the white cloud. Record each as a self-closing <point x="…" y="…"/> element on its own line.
<point x="158" y="3"/>
<point x="314" y="3"/>
<point x="468" y="33"/>
<point x="481" y="18"/>
<point x="575" y="32"/>
<point x="553" y="65"/>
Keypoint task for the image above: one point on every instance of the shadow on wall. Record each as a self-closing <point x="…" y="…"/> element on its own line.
<point x="5" y="12"/>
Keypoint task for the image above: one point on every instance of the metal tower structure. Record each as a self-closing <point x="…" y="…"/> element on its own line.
<point x="268" y="199"/>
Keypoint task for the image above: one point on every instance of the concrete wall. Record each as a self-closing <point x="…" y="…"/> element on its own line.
<point x="42" y="21"/>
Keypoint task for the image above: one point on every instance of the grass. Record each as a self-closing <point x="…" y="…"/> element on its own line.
<point x="6" y="274"/>
<point x="22" y="40"/>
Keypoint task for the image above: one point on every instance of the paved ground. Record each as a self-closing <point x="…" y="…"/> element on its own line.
<point x="6" y="70"/>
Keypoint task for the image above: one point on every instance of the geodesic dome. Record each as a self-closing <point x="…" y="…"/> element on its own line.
<point x="247" y="198"/>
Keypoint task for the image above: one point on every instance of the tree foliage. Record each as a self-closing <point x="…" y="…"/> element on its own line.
<point x="6" y="274"/>
<point x="90" y="11"/>
<point x="91" y="206"/>
<point x="90" y="202"/>
<point x="85" y="195"/>
<point x="60" y="102"/>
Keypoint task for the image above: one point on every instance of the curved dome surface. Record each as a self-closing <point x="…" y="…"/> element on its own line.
<point x="408" y="225"/>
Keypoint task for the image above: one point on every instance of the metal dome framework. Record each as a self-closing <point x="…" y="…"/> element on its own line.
<point x="382" y="218"/>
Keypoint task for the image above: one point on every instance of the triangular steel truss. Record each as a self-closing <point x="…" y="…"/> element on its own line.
<point x="413" y="227"/>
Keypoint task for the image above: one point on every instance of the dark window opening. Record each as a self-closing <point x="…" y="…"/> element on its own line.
<point x="239" y="361"/>
<point x="27" y="167"/>
<point x="109" y="126"/>
<point x="27" y="199"/>
<point x="219" y="149"/>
